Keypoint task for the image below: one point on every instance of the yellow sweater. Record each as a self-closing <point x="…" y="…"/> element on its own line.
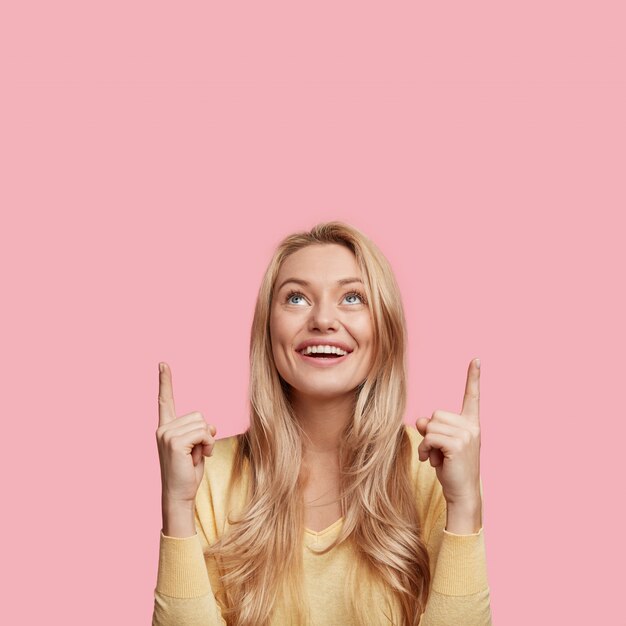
<point x="459" y="593"/>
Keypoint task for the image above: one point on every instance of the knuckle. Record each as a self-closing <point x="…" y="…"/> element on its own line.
<point x="169" y="439"/>
<point x="176" y="439"/>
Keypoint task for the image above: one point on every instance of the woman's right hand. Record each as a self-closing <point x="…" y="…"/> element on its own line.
<point x="183" y="442"/>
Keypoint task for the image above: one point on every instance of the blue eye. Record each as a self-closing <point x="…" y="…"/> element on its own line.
<point x="356" y="294"/>
<point x="293" y="294"/>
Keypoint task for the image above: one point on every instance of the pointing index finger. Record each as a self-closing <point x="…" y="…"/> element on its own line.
<point x="471" y="399"/>
<point x="167" y="412"/>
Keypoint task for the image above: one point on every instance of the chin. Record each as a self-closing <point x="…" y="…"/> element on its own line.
<point x="324" y="392"/>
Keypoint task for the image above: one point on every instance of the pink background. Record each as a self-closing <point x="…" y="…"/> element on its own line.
<point x="152" y="156"/>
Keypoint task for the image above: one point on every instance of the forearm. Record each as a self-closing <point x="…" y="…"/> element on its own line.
<point x="459" y="591"/>
<point x="183" y="593"/>
<point x="444" y="610"/>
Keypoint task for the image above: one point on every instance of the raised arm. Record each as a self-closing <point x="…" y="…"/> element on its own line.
<point x="183" y="594"/>
<point x="459" y="592"/>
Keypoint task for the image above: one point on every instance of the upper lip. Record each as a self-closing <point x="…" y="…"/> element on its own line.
<point x="322" y="342"/>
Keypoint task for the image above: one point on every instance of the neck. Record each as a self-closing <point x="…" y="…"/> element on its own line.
<point x="323" y="420"/>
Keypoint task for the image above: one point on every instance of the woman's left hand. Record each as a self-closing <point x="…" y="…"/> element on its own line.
<point x="452" y="442"/>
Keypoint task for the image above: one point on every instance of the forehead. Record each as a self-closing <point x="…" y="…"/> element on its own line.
<point x="320" y="263"/>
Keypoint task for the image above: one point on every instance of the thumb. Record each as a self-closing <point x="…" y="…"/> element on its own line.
<point x="199" y="450"/>
<point x="197" y="453"/>
<point x="421" y="425"/>
<point x="435" y="456"/>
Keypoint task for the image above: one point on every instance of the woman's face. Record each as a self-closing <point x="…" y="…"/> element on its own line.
<point x="316" y="302"/>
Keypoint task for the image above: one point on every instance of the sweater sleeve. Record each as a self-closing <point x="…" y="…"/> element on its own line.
<point x="183" y="593"/>
<point x="459" y="591"/>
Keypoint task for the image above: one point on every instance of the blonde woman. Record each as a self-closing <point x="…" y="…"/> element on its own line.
<point x="328" y="510"/>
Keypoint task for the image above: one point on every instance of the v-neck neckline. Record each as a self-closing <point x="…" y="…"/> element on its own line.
<point x="318" y="533"/>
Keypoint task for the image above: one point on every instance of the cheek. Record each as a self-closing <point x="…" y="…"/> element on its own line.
<point x="362" y="330"/>
<point x="281" y="335"/>
<point x="277" y="350"/>
<point x="278" y="329"/>
<point x="275" y="325"/>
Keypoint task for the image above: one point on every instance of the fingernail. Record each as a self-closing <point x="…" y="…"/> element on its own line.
<point x="161" y="367"/>
<point x="478" y="363"/>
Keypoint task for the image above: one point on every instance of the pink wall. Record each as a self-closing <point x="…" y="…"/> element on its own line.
<point x="153" y="155"/>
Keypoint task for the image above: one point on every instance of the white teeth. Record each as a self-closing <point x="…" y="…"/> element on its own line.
<point x="324" y="349"/>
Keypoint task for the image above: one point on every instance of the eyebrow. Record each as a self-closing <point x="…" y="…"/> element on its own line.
<point x="299" y="281"/>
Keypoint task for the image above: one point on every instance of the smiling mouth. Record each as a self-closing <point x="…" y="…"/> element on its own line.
<point x="323" y="359"/>
<point x="321" y="351"/>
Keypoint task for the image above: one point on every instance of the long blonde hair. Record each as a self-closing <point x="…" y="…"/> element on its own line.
<point x="260" y="556"/>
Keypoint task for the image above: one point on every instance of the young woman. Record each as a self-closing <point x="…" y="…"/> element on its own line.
<point x="324" y="511"/>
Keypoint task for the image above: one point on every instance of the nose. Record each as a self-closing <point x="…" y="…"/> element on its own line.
<point x="323" y="316"/>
